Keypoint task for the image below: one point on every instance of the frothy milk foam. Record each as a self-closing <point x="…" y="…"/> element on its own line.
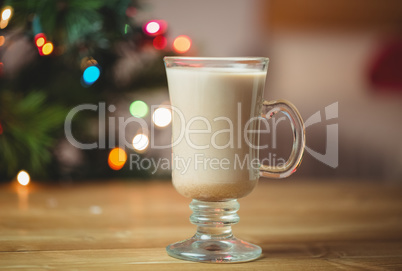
<point x="212" y="159"/>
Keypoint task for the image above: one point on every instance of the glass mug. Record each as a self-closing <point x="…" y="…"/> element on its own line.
<point x="217" y="105"/>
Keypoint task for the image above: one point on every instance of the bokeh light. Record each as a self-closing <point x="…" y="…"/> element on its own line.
<point x="3" y="24"/>
<point x="152" y="27"/>
<point x="162" y="117"/>
<point x="6" y="14"/>
<point x="23" y="177"/>
<point x="47" y="49"/>
<point x="182" y="44"/>
<point x="2" y="40"/>
<point x="140" y="142"/>
<point x="131" y="11"/>
<point x="91" y="74"/>
<point x="87" y="62"/>
<point x="117" y="158"/>
<point x="155" y="27"/>
<point x="160" y="42"/>
<point x="138" y="109"/>
<point x="40" y="42"/>
<point x="40" y="35"/>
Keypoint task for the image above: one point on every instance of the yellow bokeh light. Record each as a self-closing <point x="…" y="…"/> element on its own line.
<point x="3" y="24"/>
<point x="6" y="14"/>
<point x="182" y="44"/>
<point x="23" y="177"/>
<point x="117" y="158"/>
<point x="140" y="142"/>
<point x="47" y="49"/>
<point x="162" y="117"/>
<point x="2" y="40"/>
<point x="40" y="42"/>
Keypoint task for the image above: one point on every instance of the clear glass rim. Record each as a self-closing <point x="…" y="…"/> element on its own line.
<point x="245" y="63"/>
<point x="218" y="59"/>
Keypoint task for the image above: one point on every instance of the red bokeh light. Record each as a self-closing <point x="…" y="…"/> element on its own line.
<point x="160" y="42"/>
<point x="40" y="51"/>
<point x="155" y="27"/>
<point x="131" y="11"/>
<point x="40" y="40"/>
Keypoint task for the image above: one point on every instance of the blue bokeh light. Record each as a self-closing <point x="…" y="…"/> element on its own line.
<point x="91" y="74"/>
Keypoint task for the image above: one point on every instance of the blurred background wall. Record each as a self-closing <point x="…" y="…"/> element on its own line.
<point x="321" y="53"/>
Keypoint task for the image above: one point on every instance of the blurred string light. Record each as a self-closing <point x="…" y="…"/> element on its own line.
<point x="3" y="24"/>
<point x="131" y="11"/>
<point x="47" y="48"/>
<point x="155" y="27"/>
<point x="44" y="47"/>
<point x="162" y="117"/>
<point x="140" y="142"/>
<point x="117" y="158"/>
<point x="159" y="42"/>
<point x="23" y="177"/>
<point x="87" y="62"/>
<point x="182" y="44"/>
<point x="152" y="27"/>
<point x="91" y="74"/>
<point x="6" y="13"/>
<point x="40" y="42"/>
<point x="138" y="109"/>
<point x="42" y="38"/>
<point x="91" y="71"/>
<point x="2" y="40"/>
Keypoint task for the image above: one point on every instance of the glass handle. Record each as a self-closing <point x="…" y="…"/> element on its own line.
<point x="299" y="138"/>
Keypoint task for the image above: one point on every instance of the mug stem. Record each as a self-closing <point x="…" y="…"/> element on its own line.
<point x="214" y="241"/>
<point x="214" y="219"/>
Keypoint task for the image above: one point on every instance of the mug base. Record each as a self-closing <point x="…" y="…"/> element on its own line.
<point x="230" y="250"/>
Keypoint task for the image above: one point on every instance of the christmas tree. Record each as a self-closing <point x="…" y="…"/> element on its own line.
<point x="56" y="55"/>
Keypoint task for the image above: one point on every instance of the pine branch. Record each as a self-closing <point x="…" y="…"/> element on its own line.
<point x="29" y="127"/>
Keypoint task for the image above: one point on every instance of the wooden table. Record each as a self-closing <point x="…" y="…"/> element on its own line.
<point x="301" y="225"/>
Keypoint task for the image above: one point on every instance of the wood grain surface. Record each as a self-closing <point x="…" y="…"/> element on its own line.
<point x="122" y="225"/>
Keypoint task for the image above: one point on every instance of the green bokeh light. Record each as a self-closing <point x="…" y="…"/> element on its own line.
<point x="138" y="109"/>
